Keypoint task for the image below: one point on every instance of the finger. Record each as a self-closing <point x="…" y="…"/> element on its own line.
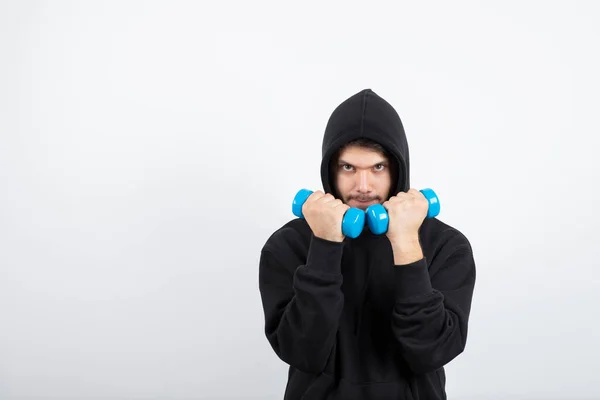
<point x="399" y="198"/>
<point x="328" y="198"/>
<point x="316" y="195"/>
<point x="339" y="203"/>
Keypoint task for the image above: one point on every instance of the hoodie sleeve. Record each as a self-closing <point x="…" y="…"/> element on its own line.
<point x="302" y="301"/>
<point x="430" y="315"/>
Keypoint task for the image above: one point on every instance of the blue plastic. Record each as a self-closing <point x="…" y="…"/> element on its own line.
<point x="377" y="216"/>
<point x="299" y="201"/>
<point x="434" y="202"/>
<point x="377" y="219"/>
<point x="352" y="223"/>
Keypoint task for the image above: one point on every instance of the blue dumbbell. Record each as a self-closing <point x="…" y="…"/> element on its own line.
<point x="352" y="223"/>
<point x="378" y="220"/>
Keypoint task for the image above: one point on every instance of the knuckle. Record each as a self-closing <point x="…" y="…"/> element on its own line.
<point x="316" y="196"/>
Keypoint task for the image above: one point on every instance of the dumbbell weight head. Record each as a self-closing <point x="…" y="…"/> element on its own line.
<point x="377" y="219"/>
<point x="434" y="202"/>
<point x="377" y="216"/>
<point x="353" y="221"/>
<point x="299" y="201"/>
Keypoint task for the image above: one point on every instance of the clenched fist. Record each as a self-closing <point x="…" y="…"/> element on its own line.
<point x="324" y="214"/>
<point x="406" y="213"/>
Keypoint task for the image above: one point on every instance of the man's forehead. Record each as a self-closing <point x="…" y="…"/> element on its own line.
<point x="355" y="154"/>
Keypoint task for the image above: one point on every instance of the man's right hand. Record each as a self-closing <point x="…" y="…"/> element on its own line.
<point x="324" y="214"/>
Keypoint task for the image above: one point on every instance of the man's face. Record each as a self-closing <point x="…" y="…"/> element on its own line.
<point x="362" y="177"/>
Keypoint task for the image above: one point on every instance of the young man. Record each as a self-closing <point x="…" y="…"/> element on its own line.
<point x="379" y="316"/>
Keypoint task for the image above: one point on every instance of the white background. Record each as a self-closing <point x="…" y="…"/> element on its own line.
<point x="148" y="150"/>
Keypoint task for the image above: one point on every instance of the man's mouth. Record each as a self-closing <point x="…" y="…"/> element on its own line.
<point x="364" y="201"/>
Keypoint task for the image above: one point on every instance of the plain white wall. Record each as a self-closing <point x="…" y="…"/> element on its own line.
<point x="148" y="149"/>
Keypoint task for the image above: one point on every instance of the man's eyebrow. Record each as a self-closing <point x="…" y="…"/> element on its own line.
<point x="384" y="162"/>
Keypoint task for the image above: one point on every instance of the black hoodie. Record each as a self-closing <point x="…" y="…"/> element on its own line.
<point x="349" y="323"/>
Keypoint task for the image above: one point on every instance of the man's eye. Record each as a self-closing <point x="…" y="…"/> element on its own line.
<point x="379" y="167"/>
<point x="347" y="167"/>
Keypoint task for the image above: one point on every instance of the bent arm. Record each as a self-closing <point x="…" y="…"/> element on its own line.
<point x="302" y="303"/>
<point x="430" y="316"/>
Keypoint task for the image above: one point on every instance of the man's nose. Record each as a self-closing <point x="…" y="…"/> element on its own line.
<point x="363" y="182"/>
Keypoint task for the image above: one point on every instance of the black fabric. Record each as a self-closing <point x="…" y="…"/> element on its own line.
<point x="349" y="323"/>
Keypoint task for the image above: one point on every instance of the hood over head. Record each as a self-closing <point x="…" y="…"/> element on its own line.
<point x="366" y="115"/>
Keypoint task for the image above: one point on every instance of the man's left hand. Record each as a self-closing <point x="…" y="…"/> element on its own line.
<point x="406" y="212"/>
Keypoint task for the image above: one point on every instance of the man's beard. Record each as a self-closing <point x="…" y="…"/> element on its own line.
<point x="365" y="198"/>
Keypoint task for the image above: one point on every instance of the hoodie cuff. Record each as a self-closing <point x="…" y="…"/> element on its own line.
<point x="412" y="280"/>
<point x="324" y="255"/>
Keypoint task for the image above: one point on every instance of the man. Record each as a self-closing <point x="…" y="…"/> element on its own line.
<point x="378" y="316"/>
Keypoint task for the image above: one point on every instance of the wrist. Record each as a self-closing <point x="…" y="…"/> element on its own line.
<point x="406" y="241"/>
<point x="407" y="249"/>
